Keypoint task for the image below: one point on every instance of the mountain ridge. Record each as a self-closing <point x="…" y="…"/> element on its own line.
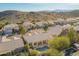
<point x="13" y="15"/>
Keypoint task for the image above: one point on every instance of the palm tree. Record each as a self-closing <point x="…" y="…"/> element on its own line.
<point x="26" y="46"/>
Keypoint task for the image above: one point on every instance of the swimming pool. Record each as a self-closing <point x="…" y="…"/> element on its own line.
<point x="42" y="48"/>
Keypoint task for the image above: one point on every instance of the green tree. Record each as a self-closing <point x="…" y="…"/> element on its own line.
<point x="22" y="30"/>
<point x="45" y="27"/>
<point x="1" y="25"/>
<point x="34" y="52"/>
<point x="77" y="38"/>
<point x="52" y="52"/>
<point x="23" y="54"/>
<point x="59" y="43"/>
<point x="26" y="46"/>
<point x="72" y="35"/>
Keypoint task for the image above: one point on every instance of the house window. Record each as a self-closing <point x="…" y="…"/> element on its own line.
<point x="44" y="42"/>
<point x="39" y="43"/>
<point x="35" y="43"/>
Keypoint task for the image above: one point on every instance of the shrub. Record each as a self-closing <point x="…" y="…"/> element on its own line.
<point x="34" y="52"/>
<point x="23" y="54"/>
<point x="22" y="30"/>
<point x="52" y="52"/>
<point x="72" y="35"/>
<point x="59" y="43"/>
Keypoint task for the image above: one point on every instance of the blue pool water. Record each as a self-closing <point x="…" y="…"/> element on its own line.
<point x="42" y="48"/>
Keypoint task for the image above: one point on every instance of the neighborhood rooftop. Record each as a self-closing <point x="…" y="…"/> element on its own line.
<point x="43" y="36"/>
<point x="9" y="46"/>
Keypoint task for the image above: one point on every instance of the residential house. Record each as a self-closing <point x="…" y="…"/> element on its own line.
<point x="60" y="21"/>
<point x="76" y="28"/>
<point x="39" y="24"/>
<point x="1" y="32"/>
<point x="67" y="26"/>
<point x="41" y="39"/>
<point x="10" y="29"/>
<point x="65" y="29"/>
<point x="77" y="23"/>
<point x="11" y="46"/>
<point x="27" y="25"/>
<point x="51" y="22"/>
<point x="71" y="20"/>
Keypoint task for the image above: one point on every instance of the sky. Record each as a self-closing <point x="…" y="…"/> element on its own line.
<point x="38" y="6"/>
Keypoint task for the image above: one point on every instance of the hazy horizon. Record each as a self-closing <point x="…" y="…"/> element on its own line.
<point x="38" y="6"/>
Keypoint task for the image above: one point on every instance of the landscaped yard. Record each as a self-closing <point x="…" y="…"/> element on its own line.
<point x="76" y="53"/>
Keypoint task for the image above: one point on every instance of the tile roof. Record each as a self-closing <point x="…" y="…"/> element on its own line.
<point x="9" y="46"/>
<point x="56" y="30"/>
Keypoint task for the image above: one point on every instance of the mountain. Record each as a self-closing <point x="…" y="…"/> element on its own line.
<point x="16" y="16"/>
<point x="12" y="15"/>
<point x="58" y="10"/>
